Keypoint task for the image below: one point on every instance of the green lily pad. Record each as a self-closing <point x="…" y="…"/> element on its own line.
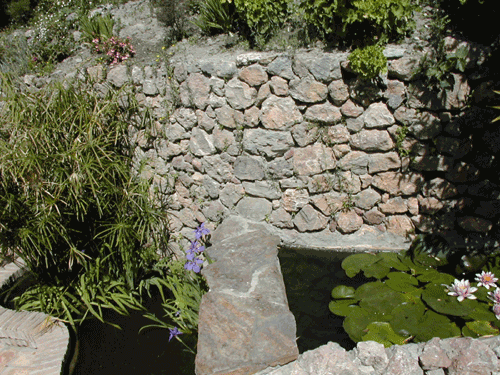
<point x="392" y="260"/>
<point x="413" y="296"/>
<point x="482" y="328"/>
<point x="383" y="333"/>
<point x="435" y="296"/>
<point x="407" y="317"/>
<point x="436" y="277"/>
<point x="342" y="307"/>
<point x="358" y="319"/>
<point x="377" y="270"/>
<point x="482" y="294"/>
<point x="415" y="269"/>
<point x="466" y="332"/>
<point x="435" y="325"/>
<point x="353" y="264"/>
<point x="401" y="282"/>
<point x="368" y="289"/>
<point x="481" y="312"/>
<point x="343" y="291"/>
<point x="383" y="300"/>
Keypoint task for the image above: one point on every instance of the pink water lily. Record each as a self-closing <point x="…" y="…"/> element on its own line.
<point x="461" y="289"/>
<point x="486" y="279"/>
<point x="496" y="310"/>
<point x="495" y="296"/>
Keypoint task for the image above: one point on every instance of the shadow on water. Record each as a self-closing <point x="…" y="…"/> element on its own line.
<point x="106" y="350"/>
<point x="310" y="276"/>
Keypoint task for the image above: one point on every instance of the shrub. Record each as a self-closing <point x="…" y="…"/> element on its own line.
<point x="115" y="50"/>
<point x="70" y="207"/>
<point x="96" y="27"/>
<point x="368" y="62"/>
<point x="216" y="16"/>
<point x="19" y="11"/>
<point x="366" y="20"/>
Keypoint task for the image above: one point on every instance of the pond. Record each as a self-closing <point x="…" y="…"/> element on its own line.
<point x="106" y="350"/>
<point x="310" y="276"/>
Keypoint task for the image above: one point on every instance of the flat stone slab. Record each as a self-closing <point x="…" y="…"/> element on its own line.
<point x="245" y="324"/>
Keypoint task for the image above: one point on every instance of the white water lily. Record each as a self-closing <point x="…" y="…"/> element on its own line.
<point x="461" y="289"/>
<point x="486" y="279"/>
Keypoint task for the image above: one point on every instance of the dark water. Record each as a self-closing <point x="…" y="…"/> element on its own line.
<point x="105" y="350"/>
<point x="310" y="276"/>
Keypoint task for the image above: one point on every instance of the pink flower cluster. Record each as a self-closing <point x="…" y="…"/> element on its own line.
<point x="116" y="50"/>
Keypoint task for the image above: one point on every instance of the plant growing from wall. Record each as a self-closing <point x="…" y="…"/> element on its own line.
<point x="411" y="299"/>
<point x="368" y="61"/>
<point x="87" y="229"/>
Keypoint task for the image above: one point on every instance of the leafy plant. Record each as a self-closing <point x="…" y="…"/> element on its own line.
<point x="401" y="134"/>
<point x="115" y="50"/>
<point x="360" y="18"/>
<point x="71" y="209"/>
<point x="97" y="27"/>
<point x="368" y="61"/>
<point x="438" y="69"/>
<point x="216" y="15"/>
<point x="412" y="300"/>
<point x="181" y="290"/>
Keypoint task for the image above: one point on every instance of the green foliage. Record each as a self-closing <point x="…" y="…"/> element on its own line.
<point x="401" y="134"/>
<point x="19" y="11"/>
<point x="263" y="17"/>
<point x="174" y="14"/>
<point x="15" y="55"/>
<point x="439" y="68"/>
<point x="96" y="27"/>
<point x="496" y="107"/>
<point x="409" y="301"/>
<point x="216" y="16"/>
<point x="368" y="61"/>
<point x="71" y="209"/>
<point x="360" y="18"/>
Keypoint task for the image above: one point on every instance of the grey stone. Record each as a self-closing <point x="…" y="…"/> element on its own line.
<point x="404" y="68"/>
<point x="336" y="134"/>
<point x="308" y="219"/>
<point x="279" y="113"/>
<point x="400" y="225"/>
<point x="186" y="117"/>
<point x="397" y="183"/>
<point x="279" y="168"/>
<point x="269" y="143"/>
<point x="348" y="222"/>
<point x="205" y="122"/>
<point x="395" y="93"/>
<point x="351" y="109"/>
<point x="231" y="194"/>
<point x="175" y="132"/>
<point x="215" y="211"/>
<point x="195" y="91"/>
<point x="364" y="92"/>
<point x="339" y="92"/>
<point x="377" y="115"/>
<point x="308" y="90"/>
<point x="249" y="168"/>
<point x="294" y="199"/>
<point x="355" y="124"/>
<point x="305" y="133"/>
<point x="373" y="217"/>
<point x="281" y="219"/>
<point x="423" y="97"/>
<point x="433" y="356"/>
<point x="323" y="113"/>
<point x="201" y="143"/>
<point x="440" y="189"/>
<point x="136" y="74"/>
<point x="253" y="75"/>
<point x="372" y="140"/>
<point x="229" y="117"/>
<point x="313" y="159"/>
<point x="366" y="199"/>
<point x="355" y="161"/>
<point x="394" y="205"/>
<point x="220" y="170"/>
<point x="438" y="163"/>
<point x="383" y="162"/>
<point x="240" y="95"/>
<point x="475" y="224"/>
<point x="329" y="203"/>
<point x="262" y="189"/>
<point x="427" y="126"/>
<point x="118" y="75"/>
<point x="372" y="353"/>
<point x="211" y="186"/>
<point x="251" y="117"/>
<point x="456" y="98"/>
<point x="149" y="88"/>
<point x="281" y="66"/>
<point x="224" y="141"/>
<point x="256" y="209"/>
<point x="402" y="362"/>
<point x="279" y="86"/>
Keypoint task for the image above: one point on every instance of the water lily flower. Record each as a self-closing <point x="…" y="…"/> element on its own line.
<point x="486" y="279"/>
<point x="174" y="332"/>
<point x="496" y="310"/>
<point x="495" y="296"/>
<point x="461" y="289"/>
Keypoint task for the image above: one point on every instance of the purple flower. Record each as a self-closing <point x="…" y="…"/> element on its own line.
<point x="201" y="231"/>
<point x="174" y="332"/>
<point x="178" y="313"/>
<point x="193" y="265"/>
<point x="486" y="279"/>
<point x="461" y="289"/>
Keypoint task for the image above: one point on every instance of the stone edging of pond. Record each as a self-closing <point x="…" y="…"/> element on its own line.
<point x="30" y="342"/>
<point x="246" y="327"/>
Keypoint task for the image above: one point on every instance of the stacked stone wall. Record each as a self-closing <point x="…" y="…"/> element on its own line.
<point x="300" y="142"/>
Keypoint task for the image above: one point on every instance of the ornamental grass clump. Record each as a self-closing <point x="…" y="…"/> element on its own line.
<point x="87" y="228"/>
<point x="416" y="297"/>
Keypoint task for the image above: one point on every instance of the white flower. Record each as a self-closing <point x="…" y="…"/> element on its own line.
<point x="496" y="310"/>
<point x="461" y="289"/>
<point x="495" y="296"/>
<point x="486" y="279"/>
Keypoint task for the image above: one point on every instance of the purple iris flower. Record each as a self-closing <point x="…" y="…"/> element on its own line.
<point x="193" y="265"/>
<point x="174" y="332"/>
<point x="201" y="231"/>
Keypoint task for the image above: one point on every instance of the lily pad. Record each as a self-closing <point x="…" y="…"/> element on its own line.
<point x="383" y="333"/>
<point x="353" y="264"/>
<point x="407" y="317"/>
<point x="435" y="296"/>
<point x="436" y="277"/>
<point x="392" y="260"/>
<point x="435" y="325"/>
<point x="482" y="328"/>
<point x="377" y="270"/>
<point x="481" y="312"/>
<point x="415" y="269"/>
<point x="401" y="282"/>
<point x="343" y="291"/>
<point x="466" y="332"/>
<point x="342" y="307"/>
<point x="382" y="300"/>
<point x="358" y="319"/>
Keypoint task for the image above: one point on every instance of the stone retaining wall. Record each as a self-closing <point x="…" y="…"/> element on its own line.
<point x="298" y="141"/>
